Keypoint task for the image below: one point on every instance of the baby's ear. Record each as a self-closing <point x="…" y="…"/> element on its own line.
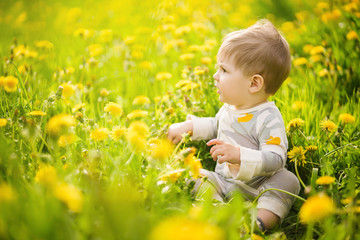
<point x="256" y="84"/>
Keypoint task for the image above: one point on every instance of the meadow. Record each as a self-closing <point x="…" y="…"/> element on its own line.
<point x="89" y="88"/>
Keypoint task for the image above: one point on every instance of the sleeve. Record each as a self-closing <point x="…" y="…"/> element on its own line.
<point x="271" y="155"/>
<point x="205" y="128"/>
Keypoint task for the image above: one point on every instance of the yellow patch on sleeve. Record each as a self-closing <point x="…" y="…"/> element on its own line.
<point x="245" y="118"/>
<point x="273" y="140"/>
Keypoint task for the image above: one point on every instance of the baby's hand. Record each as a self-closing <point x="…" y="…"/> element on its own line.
<point x="226" y="151"/>
<point x="176" y="130"/>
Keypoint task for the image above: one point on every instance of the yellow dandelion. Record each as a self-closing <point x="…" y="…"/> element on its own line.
<point x="186" y="56"/>
<point x="141" y="100"/>
<point x="311" y="148"/>
<point x="59" y="123"/>
<point x="78" y="107"/>
<point x="172" y="176"/>
<point x="23" y="68"/>
<point x="46" y="45"/>
<point x="70" y="195"/>
<point x="66" y="139"/>
<point x="295" y="124"/>
<point x="324" y="72"/>
<point x="46" y="176"/>
<point x="92" y="62"/>
<point x="117" y="132"/>
<point x="195" y="167"/>
<point x="137" y="54"/>
<point x="346" y="118"/>
<point x="139" y="127"/>
<point x="161" y="149"/>
<point x="7" y="193"/>
<point x="3" y="122"/>
<point x="68" y="89"/>
<point x="325" y="180"/>
<point x="352" y="35"/>
<point x="307" y="48"/>
<point x="10" y="83"/>
<point x="129" y="40"/>
<point x="136" y="140"/>
<point x="199" y="71"/>
<point x="99" y="134"/>
<point x="206" y="60"/>
<point x="190" y="86"/>
<point x="298" y="105"/>
<point x="316" y="58"/>
<point x="113" y="108"/>
<point x="298" y="154"/>
<point x="104" y="92"/>
<point x="137" y="114"/>
<point x="316" y="208"/>
<point x="328" y="126"/>
<point x="317" y="50"/>
<point x="37" y="113"/>
<point x="163" y="76"/>
<point x="182" y="30"/>
<point x="182" y="83"/>
<point x="95" y="50"/>
<point x="186" y="229"/>
<point x="300" y="61"/>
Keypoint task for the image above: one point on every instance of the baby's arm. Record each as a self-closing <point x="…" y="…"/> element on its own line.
<point x="202" y="128"/>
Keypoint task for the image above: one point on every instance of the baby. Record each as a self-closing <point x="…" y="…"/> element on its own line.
<point x="248" y="134"/>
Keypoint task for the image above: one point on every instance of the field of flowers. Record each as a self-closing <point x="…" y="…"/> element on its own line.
<point x="89" y="88"/>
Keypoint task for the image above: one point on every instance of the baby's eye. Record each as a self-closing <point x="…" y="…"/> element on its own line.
<point x="223" y="69"/>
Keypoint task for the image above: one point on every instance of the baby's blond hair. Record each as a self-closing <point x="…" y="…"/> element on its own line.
<point x="259" y="49"/>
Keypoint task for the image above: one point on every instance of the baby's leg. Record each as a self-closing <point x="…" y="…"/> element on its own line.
<point x="209" y="181"/>
<point x="273" y="206"/>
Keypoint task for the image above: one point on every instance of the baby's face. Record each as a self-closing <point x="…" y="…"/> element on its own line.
<point x="232" y="84"/>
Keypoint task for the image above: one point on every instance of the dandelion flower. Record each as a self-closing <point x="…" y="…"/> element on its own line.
<point x="10" y="83"/>
<point x="294" y="124"/>
<point x="186" y="229"/>
<point x="316" y="208"/>
<point x="182" y="83"/>
<point x="187" y="56"/>
<point x="3" y="122"/>
<point x="69" y="195"/>
<point x="117" y="132"/>
<point x="199" y="71"/>
<point x="137" y="114"/>
<point x="317" y="50"/>
<point x="352" y="35"/>
<point x="195" y="167"/>
<point x="100" y="134"/>
<point x="95" y="50"/>
<point x="46" y="176"/>
<point x="104" y="92"/>
<point x="66" y="139"/>
<point x="113" y="108"/>
<point x="7" y="194"/>
<point x="163" y="76"/>
<point x="146" y="65"/>
<point x="346" y="118"/>
<point x="68" y="90"/>
<point x="298" y="105"/>
<point x="323" y="72"/>
<point x="325" y="180"/>
<point x="328" y="126"/>
<point x="37" y="113"/>
<point x="78" y="107"/>
<point x="141" y="100"/>
<point x="172" y="176"/>
<point x="311" y="148"/>
<point x="300" y="61"/>
<point x="298" y="154"/>
<point x="136" y="134"/>
<point x="256" y="237"/>
<point x="206" y="60"/>
<point x="59" y="123"/>
<point x="161" y="149"/>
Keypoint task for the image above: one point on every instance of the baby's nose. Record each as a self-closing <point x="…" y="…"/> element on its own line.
<point x="216" y="76"/>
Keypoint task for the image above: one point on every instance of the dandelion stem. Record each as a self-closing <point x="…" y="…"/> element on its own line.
<point x="130" y="158"/>
<point x="297" y="174"/>
<point x="279" y="190"/>
<point x="330" y="140"/>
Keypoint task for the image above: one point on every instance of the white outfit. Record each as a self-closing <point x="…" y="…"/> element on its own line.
<point x="261" y="135"/>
